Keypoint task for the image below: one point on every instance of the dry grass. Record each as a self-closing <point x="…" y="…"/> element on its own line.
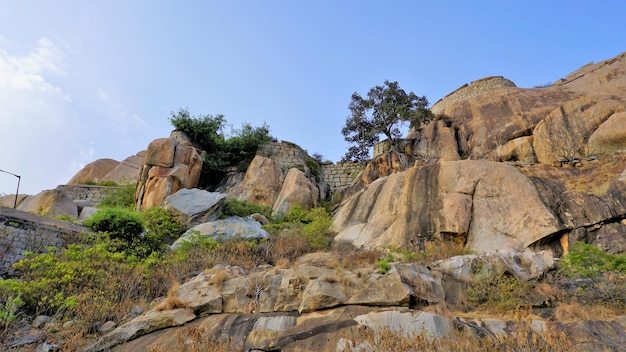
<point x="566" y="312"/>
<point x="196" y="339"/>
<point x="171" y="301"/>
<point x="218" y="278"/>
<point x="521" y="340"/>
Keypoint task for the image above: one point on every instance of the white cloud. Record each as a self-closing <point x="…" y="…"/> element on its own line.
<point x="36" y="121"/>
<point x="27" y="72"/>
<point x="102" y="95"/>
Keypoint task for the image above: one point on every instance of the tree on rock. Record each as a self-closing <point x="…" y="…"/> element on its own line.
<point x="220" y="151"/>
<point x="384" y="111"/>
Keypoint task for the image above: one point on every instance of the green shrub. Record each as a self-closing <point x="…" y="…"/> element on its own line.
<point x="9" y="312"/>
<point x="161" y="230"/>
<point x="383" y="265"/>
<point x="243" y="208"/>
<point x="119" y="196"/>
<point x="585" y="260"/>
<point x="93" y="283"/>
<point x="314" y="225"/>
<point x="220" y="152"/>
<point x="118" y="223"/>
<point x="314" y="166"/>
<point x="499" y="294"/>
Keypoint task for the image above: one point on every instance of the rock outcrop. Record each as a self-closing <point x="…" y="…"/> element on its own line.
<point x="234" y="227"/>
<point x="308" y="307"/>
<point x="191" y="207"/>
<point x="262" y="182"/>
<point x="491" y="206"/>
<point x="169" y="166"/>
<point x="296" y="189"/>
<point x="496" y="123"/>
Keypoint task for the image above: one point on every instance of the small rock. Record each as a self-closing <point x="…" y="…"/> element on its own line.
<point x="47" y="347"/>
<point x="41" y="320"/>
<point x="108" y="326"/>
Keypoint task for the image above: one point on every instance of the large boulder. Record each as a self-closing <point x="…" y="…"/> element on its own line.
<point x="50" y="203"/>
<point x="491" y="206"/>
<point x="610" y="137"/>
<point x="224" y="229"/>
<point x="262" y="182"/>
<point x="94" y="171"/>
<point x="168" y="167"/>
<point x="488" y="118"/>
<point x="127" y="170"/>
<point x="296" y="189"/>
<point x="194" y="206"/>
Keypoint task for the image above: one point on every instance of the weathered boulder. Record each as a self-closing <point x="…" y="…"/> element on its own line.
<point x="485" y="119"/>
<point x="610" y="137"/>
<point x="94" y="171"/>
<point x="524" y="266"/>
<point x="51" y="203"/>
<point x="589" y="201"/>
<point x="407" y="322"/>
<point x="491" y="205"/>
<point x="144" y="324"/>
<point x="168" y="167"/>
<point x="229" y="228"/>
<point x="194" y="206"/>
<point x="262" y="182"/>
<point x="296" y="189"/>
<point x="127" y="170"/>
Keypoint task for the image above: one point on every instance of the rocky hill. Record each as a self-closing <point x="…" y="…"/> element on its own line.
<point x="513" y="176"/>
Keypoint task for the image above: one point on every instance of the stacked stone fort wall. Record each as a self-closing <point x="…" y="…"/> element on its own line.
<point x="337" y="176"/>
<point x="21" y="231"/>
<point x="93" y="194"/>
<point x="473" y="89"/>
<point x="340" y="175"/>
<point x="286" y="154"/>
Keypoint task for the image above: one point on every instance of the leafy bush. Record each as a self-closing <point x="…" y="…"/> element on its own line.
<point x="9" y="312"/>
<point x="220" y="152"/>
<point x="383" y="265"/>
<point x="119" y="196"/>
<point x="585" y="260"/>
<point x="499" y="294"/>
<point x="118" y="223"/>
<point x="92" y="283"/>
<point x="161" y="230"/>
<point x="314" y="166"/>
<point x="243" y="208"/>
<point x="314" y="225"/>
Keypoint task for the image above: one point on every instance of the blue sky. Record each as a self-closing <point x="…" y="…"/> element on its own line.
<point x="84" y="80"/>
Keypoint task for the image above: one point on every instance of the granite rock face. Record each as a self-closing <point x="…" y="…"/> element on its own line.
<point x="168" y="167"/>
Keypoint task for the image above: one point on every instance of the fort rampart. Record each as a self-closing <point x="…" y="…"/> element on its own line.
<point x="473" y="89"/>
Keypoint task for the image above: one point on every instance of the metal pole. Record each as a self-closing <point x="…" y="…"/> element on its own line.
<point x="19" y="178"/>
<point x="18" y="186"/>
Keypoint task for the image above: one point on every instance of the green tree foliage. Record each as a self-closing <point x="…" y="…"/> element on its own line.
<point x="119" y="196"/>
<point x="243" y="208"/>
<point x="119" y="223"/>
<point x="384" y="111"/>
<point x="220" y="150"/>
<point x="586" y="260"/>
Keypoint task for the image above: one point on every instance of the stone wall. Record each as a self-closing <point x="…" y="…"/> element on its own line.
<point x="93" y="194"/>
<point x="385" y="146"/>
<point x="286" y="154"/>
<point x="340" y="175"/>
<point x="21" y="231"/>
<point x="473" y="89"/>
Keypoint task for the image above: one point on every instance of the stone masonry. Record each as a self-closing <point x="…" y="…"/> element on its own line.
<point x="286" y="154"/>
<point x="337" y="176"/>
<point x="340" y="175"/>
<point x="473" y="89"/>
<point x="93" y="194"/>
<point x="21" y="231"/>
